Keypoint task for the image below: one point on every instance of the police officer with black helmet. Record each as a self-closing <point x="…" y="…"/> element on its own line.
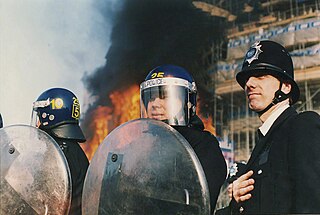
<point x="57" y="112"/>
<point x="282" y="173"/>
<point x="169" y="94"/>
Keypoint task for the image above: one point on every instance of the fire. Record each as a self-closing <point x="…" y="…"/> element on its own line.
<point x="125" y="107"/>
<point x="99" y="125"/>
<point x="207" y="121"/>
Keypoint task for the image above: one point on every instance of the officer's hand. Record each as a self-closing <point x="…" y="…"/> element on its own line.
<point x="242" y="186"/>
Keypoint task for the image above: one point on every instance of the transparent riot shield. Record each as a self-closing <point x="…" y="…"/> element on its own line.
<point x="145" y="167"/>
<point x="35" y="177"/>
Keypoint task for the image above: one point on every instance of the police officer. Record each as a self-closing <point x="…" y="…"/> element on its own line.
<point x="57" y="112"/>
<point x="282" y="173"/>
<point x="169" y="94"/>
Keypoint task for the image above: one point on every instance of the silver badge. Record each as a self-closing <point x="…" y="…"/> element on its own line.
<point x="233" y="169"/>
<point x="253" y="52"/>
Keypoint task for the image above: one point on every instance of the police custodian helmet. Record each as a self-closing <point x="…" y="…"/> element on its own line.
<point x="269" y="57"/>
<point x="57" y="111"/>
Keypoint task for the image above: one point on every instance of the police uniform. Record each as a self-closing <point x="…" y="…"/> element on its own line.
<point x="286" y="167"/>
<point x="207" y="149"/>
<point x="78" y="165"/>
<point x="285" y="161"/>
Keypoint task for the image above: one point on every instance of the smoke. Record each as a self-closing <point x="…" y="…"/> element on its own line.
<point x="149" y="33"/>
<point x="47" y="44"/>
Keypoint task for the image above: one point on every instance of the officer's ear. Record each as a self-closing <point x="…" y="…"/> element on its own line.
<point x="286" y="87"/>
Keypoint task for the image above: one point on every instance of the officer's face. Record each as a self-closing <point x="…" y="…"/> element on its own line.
<point x="260" y="91"/>
<point x="157" y="109"/>
<point x="163" y="108"/>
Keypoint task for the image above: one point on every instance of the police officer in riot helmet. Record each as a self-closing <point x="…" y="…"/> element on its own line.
<point x="57" y="112"/>
<point x="282" y="173"/>
<point x="169" y="94"/>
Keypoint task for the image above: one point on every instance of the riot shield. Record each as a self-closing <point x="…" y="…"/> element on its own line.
<point x="145" y="167"/>
<point x="35" y="177"/>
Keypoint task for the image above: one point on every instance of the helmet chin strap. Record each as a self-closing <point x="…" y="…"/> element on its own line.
<point x="279" y="96"/>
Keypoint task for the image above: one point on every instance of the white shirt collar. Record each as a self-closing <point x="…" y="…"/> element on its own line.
<point x="264" y="128"/>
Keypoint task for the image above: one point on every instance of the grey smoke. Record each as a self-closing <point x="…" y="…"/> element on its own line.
<point x="148" y="33"/>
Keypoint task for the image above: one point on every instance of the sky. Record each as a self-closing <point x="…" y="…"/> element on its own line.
<point x="45" y="44"/>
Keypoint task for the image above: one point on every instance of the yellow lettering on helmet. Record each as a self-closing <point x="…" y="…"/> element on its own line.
<point x="153" y="75"/>
<point x="75" y="108"/>
<point x="56" y="103"/>
<point x="157" y="75"/>
<point x="160" y="75"/>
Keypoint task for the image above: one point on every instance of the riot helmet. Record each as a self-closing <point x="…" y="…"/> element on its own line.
<point x="168" y="94"/>
<point x="268" y="57"/>
<point x="57" y="111"/>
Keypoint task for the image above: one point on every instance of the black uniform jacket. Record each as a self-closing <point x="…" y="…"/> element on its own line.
<point x="286" y="165"/>
<point x="78" y="165"/>
<point x="207" y="149"/>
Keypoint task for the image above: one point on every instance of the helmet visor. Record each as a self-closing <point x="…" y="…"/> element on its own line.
<point x="168" y="103"/>
<point x="35" y="119"/>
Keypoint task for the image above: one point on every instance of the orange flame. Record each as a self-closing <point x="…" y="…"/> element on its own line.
<point x="207" y="121"/>
<point x="99" y="125"/>
<point x="125" y="107"/>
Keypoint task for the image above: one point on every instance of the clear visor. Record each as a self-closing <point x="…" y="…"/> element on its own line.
<point x="168" y="103"/>
<point x="35" y="120"/>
